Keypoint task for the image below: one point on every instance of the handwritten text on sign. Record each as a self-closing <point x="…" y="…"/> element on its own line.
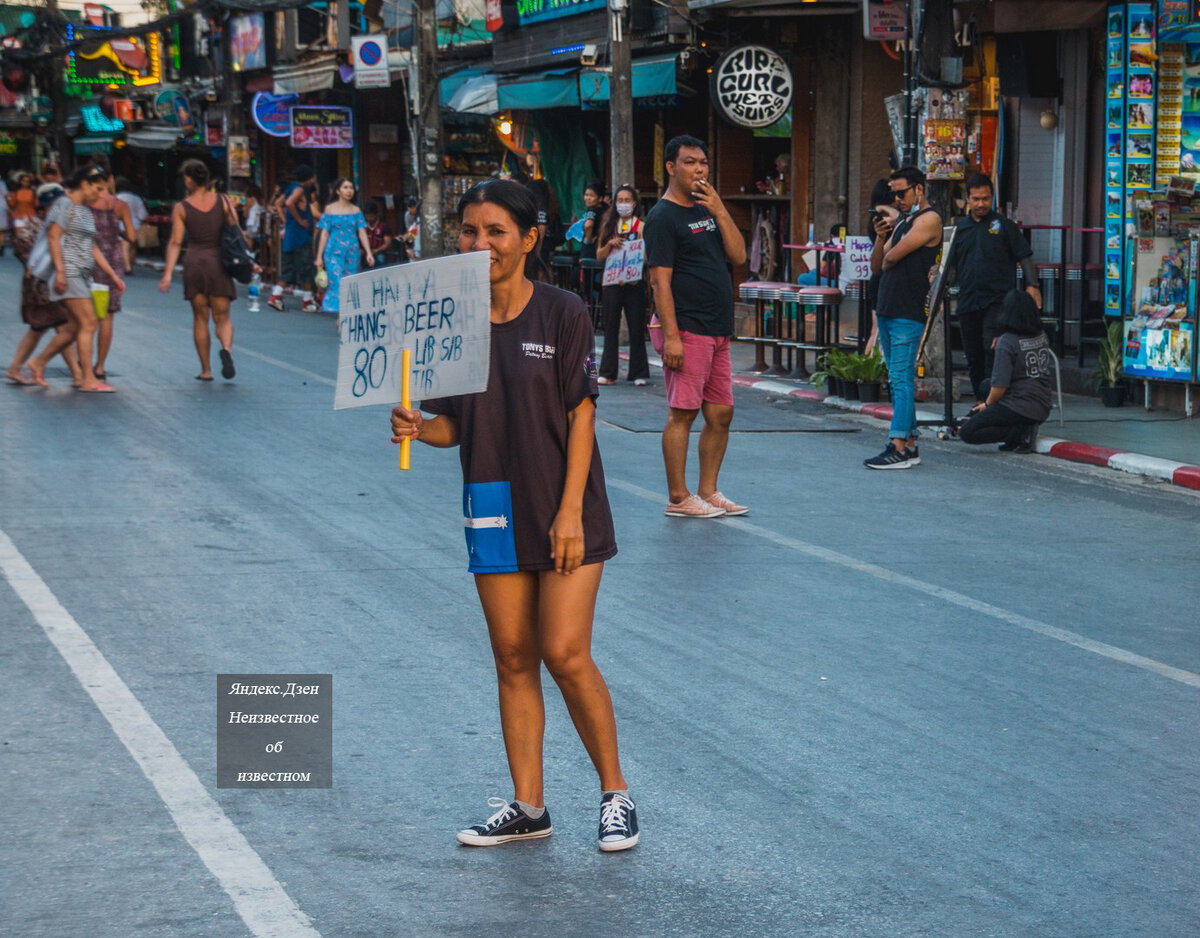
<point x="438" y="308"/>
<point x="857" y="265"/>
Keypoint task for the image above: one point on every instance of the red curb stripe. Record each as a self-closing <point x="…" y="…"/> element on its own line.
<point x="1187" y="476"/>
<point x="879" y="411"/>
<point x="1084" y="452"/>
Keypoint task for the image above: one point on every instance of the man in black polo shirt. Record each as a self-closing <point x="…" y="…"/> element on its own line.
<point x="690" y="243"/>
<point x="987" y="248"/>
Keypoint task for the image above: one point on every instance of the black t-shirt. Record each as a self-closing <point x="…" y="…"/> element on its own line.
<point x="903" y="289"/>
<point x="513" y="438"/>
<point x="984" y="256"/>
<point x="687" y="239"/>
<point x="1023" y="365"/>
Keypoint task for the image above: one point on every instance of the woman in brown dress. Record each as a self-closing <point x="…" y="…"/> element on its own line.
<point x="200" y="216"/>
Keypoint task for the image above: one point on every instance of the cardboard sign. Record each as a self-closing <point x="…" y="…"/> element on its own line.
<point x="857" y="259"/>
<point x="439" y="309"/>
<point x="625" y="263"/>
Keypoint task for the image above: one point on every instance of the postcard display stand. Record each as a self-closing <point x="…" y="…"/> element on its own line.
<point x="1151" y="223"/>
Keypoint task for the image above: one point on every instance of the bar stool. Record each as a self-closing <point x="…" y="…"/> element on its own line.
<point x="592" y="271"/>
<point x="562" y="266"/>
<point x="1051" y="315"/>
<point x="1082" y="275"/>
<point x="751" y="291"/>
<point x="822" y="303"/>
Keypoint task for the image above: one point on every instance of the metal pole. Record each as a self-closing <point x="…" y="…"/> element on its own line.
<point x="429" y="147"/>
<point x="620" y="96"/>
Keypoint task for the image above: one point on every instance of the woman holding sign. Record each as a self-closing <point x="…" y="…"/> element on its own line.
<point x="620" y="247"/>
<point x="538" y="524"/>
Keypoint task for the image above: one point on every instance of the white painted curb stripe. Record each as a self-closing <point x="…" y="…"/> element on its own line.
<point x="266" y="909"/>
<point x="1151" y="466"/>
<point x="939" y="592"/>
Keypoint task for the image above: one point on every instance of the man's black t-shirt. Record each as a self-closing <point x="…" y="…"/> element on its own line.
<point x="513" y="438"/>
<point x="687" y="240"/>
<point x="984" y="256"/>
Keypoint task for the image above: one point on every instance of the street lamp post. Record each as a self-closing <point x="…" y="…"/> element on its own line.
<point x="429" y="130"/>
<point x="620" y="95"/>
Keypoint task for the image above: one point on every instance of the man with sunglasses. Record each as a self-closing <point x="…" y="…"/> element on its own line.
<point x="905" y="250"/>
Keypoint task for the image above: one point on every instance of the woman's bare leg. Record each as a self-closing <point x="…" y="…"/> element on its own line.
<point x="200" y="333"/>
<point x="510" y="605"/>
<point x="104" y="337"/>
<point x="566" y="608"/>
<point x="25" y="347"/>
<point x="222" y="324"/>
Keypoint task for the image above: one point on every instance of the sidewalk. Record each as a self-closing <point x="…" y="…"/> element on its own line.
<point x="1156" y="444"/>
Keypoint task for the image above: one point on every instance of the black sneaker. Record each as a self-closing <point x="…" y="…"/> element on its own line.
<point x="507" y="824"/>
<point x="1024" y="442"/>
<point x="914" y="455"/>
<point x="890" y="458"/>
<point x="618" y="823"/>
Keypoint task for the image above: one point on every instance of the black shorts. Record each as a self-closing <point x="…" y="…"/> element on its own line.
<point x="297" y="267"/>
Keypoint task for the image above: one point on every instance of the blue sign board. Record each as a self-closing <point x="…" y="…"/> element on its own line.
<point x="538" y="11"/>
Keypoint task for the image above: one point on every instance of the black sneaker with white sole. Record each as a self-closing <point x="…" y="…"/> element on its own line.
<point x="509" y="823"/>
<point x="890" y="458"/>
<point x="618" y="823"/>
<point x="914" y="455"/>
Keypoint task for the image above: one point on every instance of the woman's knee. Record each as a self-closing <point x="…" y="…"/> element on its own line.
<point x="515" y="658"/>
<point x="566" y="660"/>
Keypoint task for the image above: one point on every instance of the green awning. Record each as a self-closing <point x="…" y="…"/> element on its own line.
<point x="652" y="77"/>
<point x="534" y="92"/>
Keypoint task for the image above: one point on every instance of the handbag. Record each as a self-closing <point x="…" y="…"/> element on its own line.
<point x="40" y="262"/>
<point x="235" y="255"/>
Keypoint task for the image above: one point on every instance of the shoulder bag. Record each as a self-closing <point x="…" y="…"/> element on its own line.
<point x="235" y="255"/>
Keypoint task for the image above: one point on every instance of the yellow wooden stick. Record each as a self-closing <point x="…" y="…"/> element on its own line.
<point x="405" y="402"/>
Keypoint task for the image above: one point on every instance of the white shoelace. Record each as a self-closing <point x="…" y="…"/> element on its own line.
<point x="506" y="812"/>
<point x="614" y="817"/>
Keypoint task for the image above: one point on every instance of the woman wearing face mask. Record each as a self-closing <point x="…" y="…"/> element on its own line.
<point x="622" y="224"/>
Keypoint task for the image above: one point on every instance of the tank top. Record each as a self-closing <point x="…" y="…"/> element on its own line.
<point x="904" y="288"/>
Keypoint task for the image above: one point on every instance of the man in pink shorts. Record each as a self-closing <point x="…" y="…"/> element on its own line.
<point x="690" y="244"/>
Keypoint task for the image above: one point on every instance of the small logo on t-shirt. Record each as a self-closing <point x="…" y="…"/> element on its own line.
<point x="994" y="227"/>
<point x="537" y="350"/>
<point x="703" y="225"/>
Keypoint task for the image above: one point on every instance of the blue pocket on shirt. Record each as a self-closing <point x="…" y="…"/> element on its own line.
<point x="487" y="523"/>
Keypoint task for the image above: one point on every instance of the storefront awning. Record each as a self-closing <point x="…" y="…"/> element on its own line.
<point x="475" y="95"/>
<point x="155" y="137"/>
<point x="652" y="77"/>
<point x="315" y="75"/>
<point x="534" y="92"/>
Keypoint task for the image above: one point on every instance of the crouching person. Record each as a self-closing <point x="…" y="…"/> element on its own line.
<point x="1018" y="400"/>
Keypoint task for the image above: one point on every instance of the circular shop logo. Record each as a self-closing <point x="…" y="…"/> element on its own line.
<point x="752" y="86"/>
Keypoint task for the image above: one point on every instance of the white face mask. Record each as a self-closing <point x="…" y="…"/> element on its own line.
<point x="624" y="209"/>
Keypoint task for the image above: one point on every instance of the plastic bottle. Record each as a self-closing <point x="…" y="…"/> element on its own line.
<point x="253" y="291"/>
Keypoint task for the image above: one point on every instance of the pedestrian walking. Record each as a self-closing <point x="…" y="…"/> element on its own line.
<point x="341" y="232"/>
<point x="22" y="201"/>
<point x="114" y="227"/>
<point x="1018" y="400"/>
<point x="983" y="259"/>
<point x="255" y="214"/>
<point x="530" y="462"/>
<point x="138" y="213"/>
<point x="622" y="225"/>
<point x="903" y="254"/>
<point x="201" y="216"/>
<point x="72" y="243"/>
<point x="300" y="215"/>
<point x="38" y="311"/>
<point x="690" y="244"/>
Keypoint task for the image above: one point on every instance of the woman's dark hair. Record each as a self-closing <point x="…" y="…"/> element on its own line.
<point x="337" y="184"/>
<point x="608" y="226"/>
<point x="88" y="172"/>
<point x="1020" y="314"/>
<point x="881" y="194"/>
<point x="597" y="186"/>
<point x="196" y="171"/>
<point x="519" y="203"/>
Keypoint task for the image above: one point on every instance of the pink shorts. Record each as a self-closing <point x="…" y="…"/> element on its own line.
<point x="707" y="374"/>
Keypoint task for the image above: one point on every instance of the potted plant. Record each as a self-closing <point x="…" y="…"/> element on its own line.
<point x="1109" y="373"/>
<point x="870" y="371"/>
<point x="833" y="366"/>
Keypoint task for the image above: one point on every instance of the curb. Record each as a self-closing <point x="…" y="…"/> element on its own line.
<point x="1152" y="467"/>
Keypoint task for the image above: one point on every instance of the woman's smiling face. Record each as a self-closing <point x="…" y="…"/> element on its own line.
<point x="489" y="227"/>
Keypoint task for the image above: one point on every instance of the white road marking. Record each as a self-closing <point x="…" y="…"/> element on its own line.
<point x="286" y="366"/>
<point x="267" y="910"/>
<point x="938" y="592"/>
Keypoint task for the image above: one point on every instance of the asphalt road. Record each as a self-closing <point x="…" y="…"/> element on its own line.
<point x="954" y="701"/>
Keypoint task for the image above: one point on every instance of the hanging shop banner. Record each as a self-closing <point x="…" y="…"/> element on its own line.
<point x="438" y="309"/>
<point x="247" y="42"/>
<point x="369" y="57"/>
<point x="538" y="11"/>
<point x="945" y="149"/>
<point x="173" y="108"/>
<point x="322" y="128"/>
<point x="272" y="113"/>
<point x="493" y="15"/>
<point x="885" y="19"/>
<point x="239" y="156"/>
<point x="130" y="60"/>
<point x="752" y="86"/>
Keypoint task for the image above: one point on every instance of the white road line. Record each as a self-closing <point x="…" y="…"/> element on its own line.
<point x="937" y="592"/>
<point x="286" y="366"/>
<point x="266" y="909"/>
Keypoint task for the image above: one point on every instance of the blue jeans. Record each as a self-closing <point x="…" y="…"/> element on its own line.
<point x="899" y="339"/>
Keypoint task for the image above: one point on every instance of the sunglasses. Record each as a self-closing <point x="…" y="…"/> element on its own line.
<point x="95" y="174"/>
<point x="897" y="193"/>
